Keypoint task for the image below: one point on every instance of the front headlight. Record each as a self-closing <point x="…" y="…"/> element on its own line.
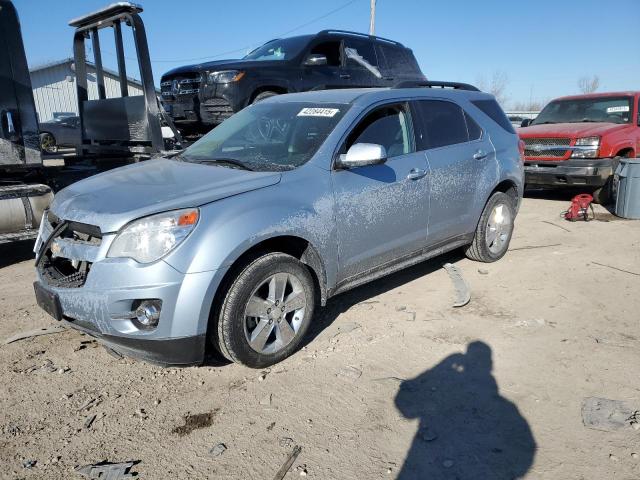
<point x="151" y="238"/>
<point x="225" y="76"/>
<point x="588" y="147"/>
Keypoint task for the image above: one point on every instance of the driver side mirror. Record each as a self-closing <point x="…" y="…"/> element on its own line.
<point x="316" y="59"/>
<point x="363" y="154"/>
<point x="526" y="122"/>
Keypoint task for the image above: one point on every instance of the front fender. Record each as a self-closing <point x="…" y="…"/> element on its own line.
<point x="301" y="205"/>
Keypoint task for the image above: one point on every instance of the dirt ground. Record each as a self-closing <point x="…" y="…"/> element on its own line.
<point x="393" y="383"/>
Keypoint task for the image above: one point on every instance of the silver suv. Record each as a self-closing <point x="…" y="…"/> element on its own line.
<point x="234" y="242"/>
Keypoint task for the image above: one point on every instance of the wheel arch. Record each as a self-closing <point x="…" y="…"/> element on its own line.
<point x="296" y="246"/>
<point x="279" y="89"/>
<point x="626" y="152"/>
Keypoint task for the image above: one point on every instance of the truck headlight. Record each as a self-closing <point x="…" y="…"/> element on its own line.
<point x="150" y="238"/>
<point x="589" y="147"/>
<point x="225" y="76"/>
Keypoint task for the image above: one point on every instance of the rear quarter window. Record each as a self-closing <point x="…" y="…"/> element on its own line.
<point x="396" y="58"/>
<point x="493" y="111"/>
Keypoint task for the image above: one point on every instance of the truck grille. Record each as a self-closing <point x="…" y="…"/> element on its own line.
<point x="546" y="147"/>
<point x="188" y="84"/>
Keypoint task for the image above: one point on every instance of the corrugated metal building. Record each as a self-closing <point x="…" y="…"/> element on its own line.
<point x="54" y="87"/>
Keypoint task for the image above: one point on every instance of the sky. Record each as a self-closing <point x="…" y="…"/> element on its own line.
<point x="542" y="47"/>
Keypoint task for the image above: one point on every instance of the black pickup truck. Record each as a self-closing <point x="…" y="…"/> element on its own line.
<point x="198" y="97"/>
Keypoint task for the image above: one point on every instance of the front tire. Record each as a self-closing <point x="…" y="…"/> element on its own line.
<point x="263" y="96"/>
<point x="494" y="230"/>
<point x="606" y="194"/>
<point x="266" y="311"/>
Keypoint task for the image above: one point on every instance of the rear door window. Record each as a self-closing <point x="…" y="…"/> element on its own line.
<point x="364" y="49"/>
<point x="440" y="123"/>
<point x="396" y="58"/>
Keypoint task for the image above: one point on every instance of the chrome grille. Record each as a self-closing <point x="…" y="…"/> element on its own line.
<point x="173" y="87"/>
<point x="544" y="147"/>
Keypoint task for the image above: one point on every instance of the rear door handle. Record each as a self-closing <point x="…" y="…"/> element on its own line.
<point x="480" y="154"/>
<point x="416" y="173"/>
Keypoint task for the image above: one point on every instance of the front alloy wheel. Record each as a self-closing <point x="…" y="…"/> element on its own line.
<point x="266" y="311"/>
<point x="274" y="313"/>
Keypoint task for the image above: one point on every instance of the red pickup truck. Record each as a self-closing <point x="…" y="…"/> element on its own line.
<point x="577" y="141"/>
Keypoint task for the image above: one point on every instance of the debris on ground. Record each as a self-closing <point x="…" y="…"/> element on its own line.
<point x="483" y="271"/>
<point x="35" y="333"/>
<point x="608" y="415"/>
<point x="107" y="471"/>
<point x="531" y="247"/>
<point x="556" y="225"/>
<point x="195" y="422"/>
<point x="287" y="465"/>
<point x="463" y="293"/>
<point x="285" y="442"/>
<point x="29" y="463"/>
<point x="266" y="401"/>
<point x="89" y="421"/>
<point x="616" y="268"/>
<point x="427" y="434"/>
<point x="218" y="450"/>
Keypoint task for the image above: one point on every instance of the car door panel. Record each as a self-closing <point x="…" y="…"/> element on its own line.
<point x="457" y="166"/>
<point x="381" y="210"/>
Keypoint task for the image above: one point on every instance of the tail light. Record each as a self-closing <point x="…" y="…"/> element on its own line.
<point x="521" y="149"/>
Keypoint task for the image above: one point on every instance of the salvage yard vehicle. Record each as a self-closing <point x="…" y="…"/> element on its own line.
<point x="61" y="132"/>
<point x="578" y="141"/>
<point x="199" y="97"/>
<point x="234" y="242"/>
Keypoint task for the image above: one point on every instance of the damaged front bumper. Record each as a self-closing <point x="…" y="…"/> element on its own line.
<point x="592" y="173"/>
<point x="79" y="285"/>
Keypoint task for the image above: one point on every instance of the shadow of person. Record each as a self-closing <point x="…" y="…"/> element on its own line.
<point x="467" y="430"/>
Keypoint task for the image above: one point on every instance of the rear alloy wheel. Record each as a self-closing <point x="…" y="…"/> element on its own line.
<point x="48" y="143"/>
<point x="494" y="230"/>
<point x="266" y="311"/>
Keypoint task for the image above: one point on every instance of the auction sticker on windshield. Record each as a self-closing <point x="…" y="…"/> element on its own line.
<point x="621" y="108"/>
<point x="318" y="112"/>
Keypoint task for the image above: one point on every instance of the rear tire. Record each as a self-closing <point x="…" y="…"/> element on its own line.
<point x="270" y="286"/>
<point x="494" y="230"/>
<point x="263" y="96"/>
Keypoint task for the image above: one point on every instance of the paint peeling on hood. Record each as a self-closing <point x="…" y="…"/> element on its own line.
<point x="114" y="198"/>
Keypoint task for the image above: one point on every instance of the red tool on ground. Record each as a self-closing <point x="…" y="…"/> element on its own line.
<point x="580" y="208"/>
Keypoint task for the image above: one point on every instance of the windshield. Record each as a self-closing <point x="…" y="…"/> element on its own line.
<point x="268" y="136"/>
<point x="284" y="49"/>
<point x="593" y="109"/>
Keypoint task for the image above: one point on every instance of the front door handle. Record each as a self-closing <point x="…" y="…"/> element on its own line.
<point x="480" y="154"/>
<point x="416" y="173"/>
<point x="345" y="76"/>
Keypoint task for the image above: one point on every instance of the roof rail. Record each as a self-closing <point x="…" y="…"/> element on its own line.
<point x="436" y="84"/>
<point x="358" y="34"/>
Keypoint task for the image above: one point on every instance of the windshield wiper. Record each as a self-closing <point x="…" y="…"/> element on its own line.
<point x="229" y="161"/>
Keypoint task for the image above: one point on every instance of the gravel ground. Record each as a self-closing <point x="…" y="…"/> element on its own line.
<point x="393" y="383"/>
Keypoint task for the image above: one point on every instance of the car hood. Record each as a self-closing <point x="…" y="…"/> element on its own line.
<point x="237" y="64"/>
<point x="573" y="130"/>
<point x="112" y="199"/>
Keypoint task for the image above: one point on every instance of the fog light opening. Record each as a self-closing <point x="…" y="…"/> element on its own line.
<point x="147" y="313"/>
